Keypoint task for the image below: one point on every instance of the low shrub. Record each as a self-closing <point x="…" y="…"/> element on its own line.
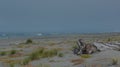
<point x="114" y="61"/>
<point x="60" y="55"/>
<point x="28" y="41"/>
<point x="13" y="52"/>
<point x="3" y="53"/>
<point x="25" y="61"/>
<point x="34" y="56"/>
<point x="74" y="47"/>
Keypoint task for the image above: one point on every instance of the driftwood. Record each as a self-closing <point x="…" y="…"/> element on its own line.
<point x="92" y="48"/>
<point x="101" y="47"/>
<point x="84" y="48"/>
<point x="106" y="46"/>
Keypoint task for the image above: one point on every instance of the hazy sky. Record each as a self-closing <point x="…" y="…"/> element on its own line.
<point x="59" y="15"/>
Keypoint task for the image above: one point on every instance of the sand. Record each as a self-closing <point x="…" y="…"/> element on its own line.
<point x="65" y="43"/>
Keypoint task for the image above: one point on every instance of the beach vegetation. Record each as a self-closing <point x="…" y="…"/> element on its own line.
<point x="114" y="61"/>
<point x="74" y="47"/>
<point x="3" y="53"/>
<point x="12" y="64"/>
<point x="25" y="61"/>
<point x="40" y="53"/>
<point x="29" y="41"/>
<point x="85" y="55"/>
<point x="60" y="55"/>
<point x="109" y="39"/>
<point x="49" y="53"/>
<point x="13" y="52"/>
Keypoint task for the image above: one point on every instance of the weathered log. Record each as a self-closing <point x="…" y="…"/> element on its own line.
<point x="101" y="46"/>
<point x="84" y="48"/>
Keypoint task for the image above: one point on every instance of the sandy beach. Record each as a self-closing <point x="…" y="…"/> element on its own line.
<point x="64" y="57"/>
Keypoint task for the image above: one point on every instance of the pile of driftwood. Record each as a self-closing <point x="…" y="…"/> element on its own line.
<point x="95" y="47"/>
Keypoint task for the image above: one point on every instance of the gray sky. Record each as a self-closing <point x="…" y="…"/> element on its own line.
<point x="59" y="16"/>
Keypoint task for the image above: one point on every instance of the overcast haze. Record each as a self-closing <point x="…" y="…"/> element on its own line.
<point x="60" y="16"/>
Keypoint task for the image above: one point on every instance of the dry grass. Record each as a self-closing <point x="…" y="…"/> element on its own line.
<point x="40" y="53"/>
<point x="25" y="61"/>
<point x="3" y="53"/>
<point x="10" y="63"/>
<point x="85" y="56"/>
<point x="114" y="61"/>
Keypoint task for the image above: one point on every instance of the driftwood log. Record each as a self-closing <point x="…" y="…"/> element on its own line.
<point x="96" y="46"/>
<point x="84" y="48"/>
